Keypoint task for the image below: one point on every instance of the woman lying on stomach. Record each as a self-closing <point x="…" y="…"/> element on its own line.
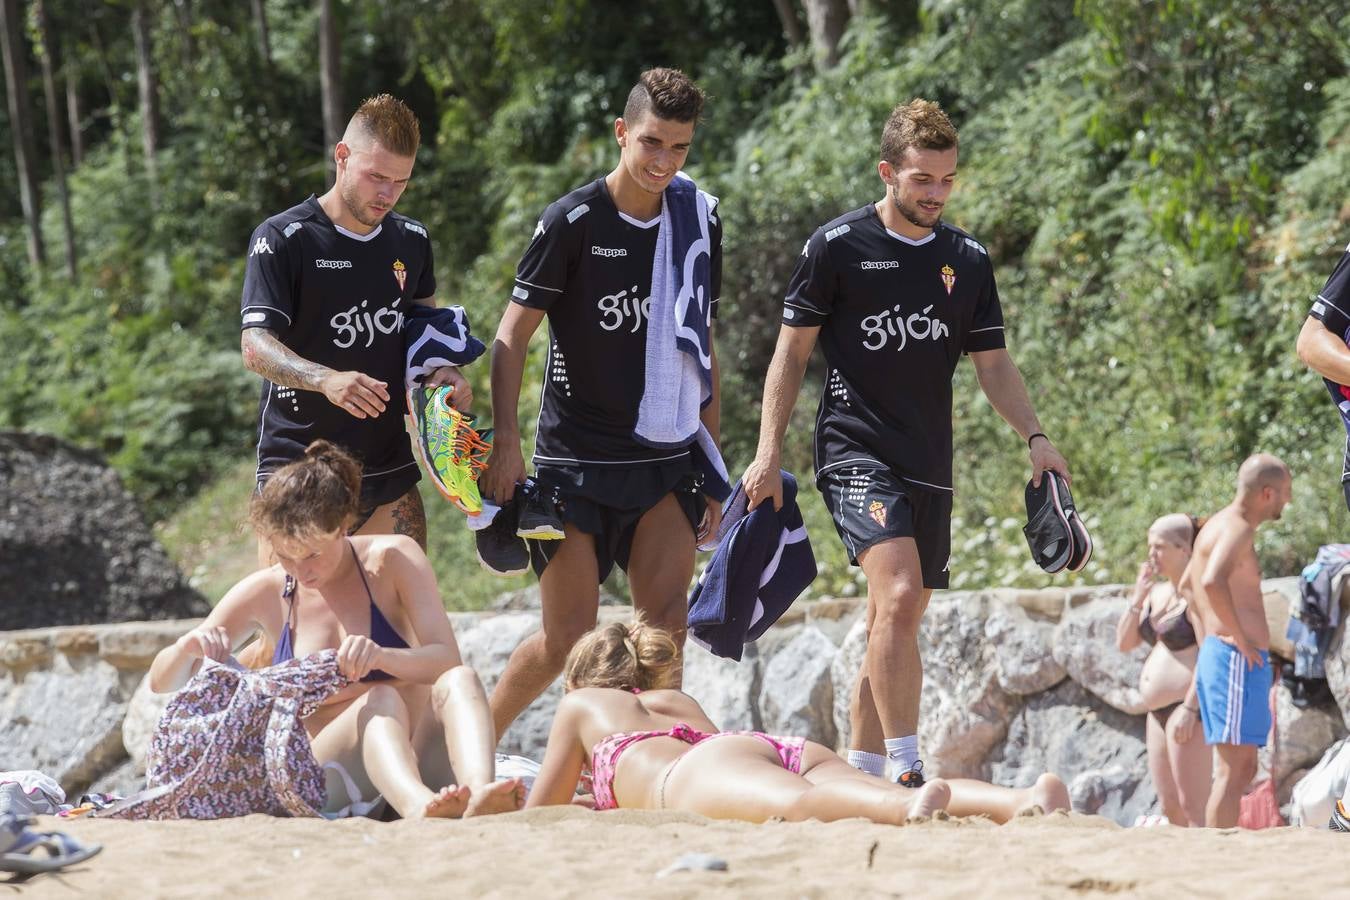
<point x="412" y="710"/>
<point x="652" y="747"/>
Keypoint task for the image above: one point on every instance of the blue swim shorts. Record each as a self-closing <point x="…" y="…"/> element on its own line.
<point x="1234" y="700"/>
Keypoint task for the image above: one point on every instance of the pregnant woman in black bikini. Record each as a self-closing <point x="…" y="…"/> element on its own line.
<point x="1178" y="758"/>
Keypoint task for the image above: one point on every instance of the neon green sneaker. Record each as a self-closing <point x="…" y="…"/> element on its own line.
<point x="452" y="452"/>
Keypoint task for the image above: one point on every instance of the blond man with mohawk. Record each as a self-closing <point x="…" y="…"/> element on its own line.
<point x="326" y="286"/>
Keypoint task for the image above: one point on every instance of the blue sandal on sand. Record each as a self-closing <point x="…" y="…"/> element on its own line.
<point x="19" y="846"/>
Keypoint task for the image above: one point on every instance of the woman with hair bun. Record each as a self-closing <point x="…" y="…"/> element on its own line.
<point x="650" y="746"/>
<point x="1159" y="614"/>
<point x="413" y="710"/>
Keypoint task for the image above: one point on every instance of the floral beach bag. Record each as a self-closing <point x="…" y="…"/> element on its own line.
<point x="231" y="743"/>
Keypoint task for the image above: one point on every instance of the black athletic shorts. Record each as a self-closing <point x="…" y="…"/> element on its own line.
<point x="607" y="503"/>
<point x="871" y="505"/>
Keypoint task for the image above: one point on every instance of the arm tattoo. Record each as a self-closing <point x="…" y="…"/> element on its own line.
<point x="265" y="354"/>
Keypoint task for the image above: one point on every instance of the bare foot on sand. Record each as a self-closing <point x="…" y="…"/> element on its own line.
<point x="497" y="797"/>
<point x="447" y="803"/>
<point x="1048" y="795"/>
<point x="933" y="797"/>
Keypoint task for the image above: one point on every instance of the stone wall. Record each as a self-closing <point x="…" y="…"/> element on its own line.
<point x="1016" y="683"/>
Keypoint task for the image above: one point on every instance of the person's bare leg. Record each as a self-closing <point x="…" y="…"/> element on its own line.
<point x="370" y="739"/>
<point x="461" y="708"/>
<point x="569" y="592"/>
<point x="1235" y="769"/>
<point x="896" y="601"/>
<point x="980" y="798"/>
<point x="661" y="565"/>
<point x="742" y="778"/>
<point x="1160" y="769"/>
<point x="1192" y="771"/>
<point x="406" y="515"/>
<point x="864" y="722"/>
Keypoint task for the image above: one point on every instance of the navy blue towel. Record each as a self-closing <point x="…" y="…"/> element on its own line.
<point x="762" y="564"/>
<point x="434" y="337"/>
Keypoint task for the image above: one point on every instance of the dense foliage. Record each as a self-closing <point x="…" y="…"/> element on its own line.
<point x="1163" y="186"/>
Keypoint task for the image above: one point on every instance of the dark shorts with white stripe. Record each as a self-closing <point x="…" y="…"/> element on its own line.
<point x="871" y="505"/>
<point x="607" y="503"/>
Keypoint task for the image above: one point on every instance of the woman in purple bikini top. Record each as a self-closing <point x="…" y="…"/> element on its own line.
<point x="372" y="600"/>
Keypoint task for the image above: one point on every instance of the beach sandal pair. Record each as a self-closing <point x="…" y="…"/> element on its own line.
<point x="26" y="852"/>
<point x="1055" y="532"/>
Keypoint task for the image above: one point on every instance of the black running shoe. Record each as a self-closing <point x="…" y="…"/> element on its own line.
<point x="910" y="778"/>
<point x="500" y="550"/>
<point x="1339" y="820"/>
<point x="539" y="516"/>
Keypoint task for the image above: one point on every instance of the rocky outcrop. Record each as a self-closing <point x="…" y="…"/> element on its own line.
<point x="64" y="695"/>
<point x="964" y="710"/>
<point x="1016" y="683"/>
<point x="796" y="697"/>
<point x="1085" y="645"/>
<point x="73" y="546"/>
<point x="1098" y="750"/>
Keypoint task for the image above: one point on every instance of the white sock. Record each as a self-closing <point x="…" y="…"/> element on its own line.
<point x="871" y="763"/>
<point x="1345" y="798"/>
<point x="904" y="751"/>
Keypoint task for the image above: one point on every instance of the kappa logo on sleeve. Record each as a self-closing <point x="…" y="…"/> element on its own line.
<point x="260" y="246"/>
<point x="250" y="318"/>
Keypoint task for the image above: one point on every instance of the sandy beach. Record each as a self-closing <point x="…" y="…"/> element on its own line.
<point x="577" y="853"/>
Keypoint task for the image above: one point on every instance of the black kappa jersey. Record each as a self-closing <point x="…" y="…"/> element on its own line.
<point x="895" y="315"/>
<point x="1332" y="308"/>
<point x="1332" y="304"/>
<point x="590" y="267"/>
<point x="335" y="298"/>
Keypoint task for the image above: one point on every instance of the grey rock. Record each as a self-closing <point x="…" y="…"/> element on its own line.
<point x="963" y="712"/>
<point x="528" y="598"/>
<point x="133" y="645"/>
<point x="486" y="646"/>
<point x="1085" y="645"/>
<point x="121" y="781"/>
<point x="1098" y="751"/>
<point x="1305" y="734"/>
<point x="836" y="616"/>
<point x="796" y="697"/>
<point x="1022" y="650"/>
<point x="65" y="721"/>
<point x="1113" y="792"/>
<point x="726" y="689"/>
<point x="142" y="718"/>
<point x="74" y="548"/>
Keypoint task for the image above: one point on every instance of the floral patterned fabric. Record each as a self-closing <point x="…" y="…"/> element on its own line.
<point x="231" y="743"/>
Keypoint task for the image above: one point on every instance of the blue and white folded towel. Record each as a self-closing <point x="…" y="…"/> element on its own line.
<point x="678" y="377"/>
<point x="762" y="564"/>
<point x="434" y="337"/>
